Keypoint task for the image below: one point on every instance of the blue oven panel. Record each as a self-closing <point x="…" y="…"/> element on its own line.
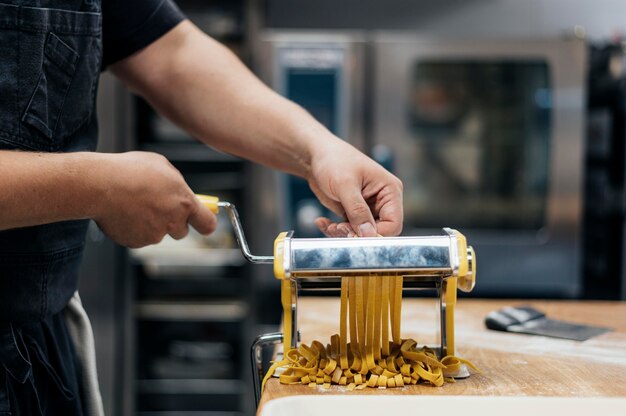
<point x="314" y="78"/>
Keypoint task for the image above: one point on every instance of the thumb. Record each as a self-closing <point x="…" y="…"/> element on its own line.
<point x="358" y="212"/>
<point x="202" y="219"/>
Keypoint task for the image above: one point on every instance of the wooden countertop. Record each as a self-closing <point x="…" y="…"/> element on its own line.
<point x="511" y="364"/>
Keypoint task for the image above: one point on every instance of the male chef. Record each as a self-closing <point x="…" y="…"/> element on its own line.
<point x="52" y="182"/>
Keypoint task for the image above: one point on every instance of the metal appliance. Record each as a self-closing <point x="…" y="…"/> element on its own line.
<point x="322" y="73"/>
<point x="495" y="127"/>
<point x="443" y="263"/>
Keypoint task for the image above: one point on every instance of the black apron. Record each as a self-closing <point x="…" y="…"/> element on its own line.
<point x="50" y="52"/>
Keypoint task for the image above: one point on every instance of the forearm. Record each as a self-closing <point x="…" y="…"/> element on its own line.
<point x="135" y="198"/>
<point x="205" y="89"/>
<point x="39" y="188"/>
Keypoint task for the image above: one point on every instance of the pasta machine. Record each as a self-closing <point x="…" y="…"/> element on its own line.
<point x="444" y="263"/>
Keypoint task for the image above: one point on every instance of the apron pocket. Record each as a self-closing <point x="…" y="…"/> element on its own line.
<point x="48" y="98"/>
<point x="49" y="70"/>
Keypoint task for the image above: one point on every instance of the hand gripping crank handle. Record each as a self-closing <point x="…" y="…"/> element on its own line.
<point x="214" y="204"/>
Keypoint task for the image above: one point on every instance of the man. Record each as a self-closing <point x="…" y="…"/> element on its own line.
<point x="51" y="182"/>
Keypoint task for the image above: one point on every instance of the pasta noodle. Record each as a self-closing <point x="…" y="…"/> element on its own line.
<point x="370" y="312"/>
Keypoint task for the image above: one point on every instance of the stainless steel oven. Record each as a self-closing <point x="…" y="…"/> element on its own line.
<point x="488" y="136"/>
<point x="323" y="72"/>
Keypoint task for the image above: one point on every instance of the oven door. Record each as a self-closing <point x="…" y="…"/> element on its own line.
<point x="488" y="138"/>
<point x="322" y="72"/>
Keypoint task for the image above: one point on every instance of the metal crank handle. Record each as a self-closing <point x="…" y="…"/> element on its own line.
<point x="214" y="204"/>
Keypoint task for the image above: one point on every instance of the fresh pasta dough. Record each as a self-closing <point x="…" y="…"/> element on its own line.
<point x="375" y="354"/>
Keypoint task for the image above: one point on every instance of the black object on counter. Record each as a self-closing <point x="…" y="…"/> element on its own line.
<point x="527" y="320"/>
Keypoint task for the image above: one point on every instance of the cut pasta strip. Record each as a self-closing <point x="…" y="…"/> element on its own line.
<point x="343" y="333"/>
<point x="397" y="310"/>
<point x="378" y="295"/>
<point x="370" y="311"/>
<point x="361" y="314"/>
<point x="353" y="311"/>
<point x="371" y="308"/>
<point x="385" y="315"/>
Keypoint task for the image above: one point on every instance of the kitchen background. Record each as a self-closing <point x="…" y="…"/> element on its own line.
<point x="504" y="118"/>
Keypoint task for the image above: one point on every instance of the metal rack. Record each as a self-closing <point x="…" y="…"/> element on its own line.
<point x="173" y="324"/>
<point x="193" y="308"/>
<point x="192" y="305"/>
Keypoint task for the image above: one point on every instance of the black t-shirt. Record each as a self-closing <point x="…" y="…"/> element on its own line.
<point x="128" y="26"/>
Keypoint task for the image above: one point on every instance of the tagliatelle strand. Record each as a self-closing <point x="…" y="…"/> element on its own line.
<point x="397" y="309"/>
<point x="361" y="315"/>
<point x="378" y="300"/>
<point x="343" y="332"/>
<point x="371" y="309"/>
<point x="385" y="316"/>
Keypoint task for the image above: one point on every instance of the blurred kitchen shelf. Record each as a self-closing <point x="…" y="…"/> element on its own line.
<point x="190" y="394"/>
<point x="187" y="151"/>
<point x="224" y="27"/>
<point x="190" y="386"/>
<point x="222" y="19"/>
<point x="198" y="284"/>
<point x="169" y="259"/>
<point x="190" y="273"/>
<point x="175" y="368"/>
<point x="189" y="402"/>
<point x="234" y="311"/>
<point x="213" y="183"/>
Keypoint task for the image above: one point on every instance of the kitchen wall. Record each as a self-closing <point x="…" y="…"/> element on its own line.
<point x="527" y="18"/>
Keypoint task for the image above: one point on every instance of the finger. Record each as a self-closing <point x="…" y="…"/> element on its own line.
<point x="358" y="212"/>
<point x="152" y="237"/>
<point x="334" y="206"/>
<point x="391" y="217"/>
<point x="338" y="231"/>
<point x="179" y="232"/>
<point x="350" y="232"/>
<point x="322" y="223"/>
<point x="332" y="229"/>
<point x="202" y="219"/>
<point x="345" y="229"/>
<point x="388" y="228"/>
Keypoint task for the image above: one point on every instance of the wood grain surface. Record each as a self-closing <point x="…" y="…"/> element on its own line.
<point x="511" y="364"/>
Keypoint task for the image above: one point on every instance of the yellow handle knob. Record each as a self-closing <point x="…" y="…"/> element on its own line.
<point x="210" y="202"/>
<point x="467" y="282"/>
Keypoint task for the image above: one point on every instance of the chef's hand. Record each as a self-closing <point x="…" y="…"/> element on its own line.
<point x="146" y="199"/>
<point x="355" y="187"/>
